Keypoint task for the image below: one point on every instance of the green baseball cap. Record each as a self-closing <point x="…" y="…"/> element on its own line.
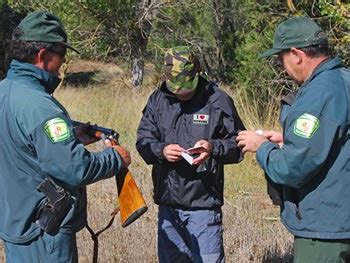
<point x="297" y="32"/>
<point x="42" y="26"/>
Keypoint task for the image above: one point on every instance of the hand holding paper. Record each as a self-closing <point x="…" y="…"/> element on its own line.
<point x="191" y="153"/>
<point x="197" y="154"/>
<point x="173" y="152"/>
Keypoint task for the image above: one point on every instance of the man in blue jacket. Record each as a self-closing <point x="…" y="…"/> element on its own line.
<point x="311" y="159"/>
<point x="38" y="146"/>
<point x="187" y="111"/>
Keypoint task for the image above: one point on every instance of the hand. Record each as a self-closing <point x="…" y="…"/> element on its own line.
<point x="204" y="152"/>
<point x="82" y="134"/>
<point x="172" y="152"/>
<point x="250" y="141"/>
<point x="123" y="153"/>
<point x="273" y="136"/>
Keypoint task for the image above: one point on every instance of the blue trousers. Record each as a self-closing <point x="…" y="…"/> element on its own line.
<point x="190" y="235"/>
<point x="44" y="249"/>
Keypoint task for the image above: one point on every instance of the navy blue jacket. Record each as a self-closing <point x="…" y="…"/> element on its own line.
<point x="28" y="155"/>
<point x="313" y="165"/>
<point x="166" y="120"/>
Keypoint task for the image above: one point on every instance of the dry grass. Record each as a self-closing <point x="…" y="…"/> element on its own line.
<point x="253" y="232"/>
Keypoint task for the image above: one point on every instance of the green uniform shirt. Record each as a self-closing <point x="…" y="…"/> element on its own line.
<point x="37" y="141"/>
<point x="314" y="162"/>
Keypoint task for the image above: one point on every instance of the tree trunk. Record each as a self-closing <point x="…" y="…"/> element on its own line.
<point x="148" y="11"/>
<point x="137" y="72"/>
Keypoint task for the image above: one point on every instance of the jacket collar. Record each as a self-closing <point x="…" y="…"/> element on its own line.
<point x="328" y="64"/>
<point x="22" y="70"/>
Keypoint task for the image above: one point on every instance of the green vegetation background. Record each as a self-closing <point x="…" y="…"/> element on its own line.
<point x="228" y="35"/>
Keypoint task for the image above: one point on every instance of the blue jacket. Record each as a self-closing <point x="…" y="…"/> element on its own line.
<point x="313" y="165"/>
<point x="167" y="120"/>
<point x="28" y="154"/>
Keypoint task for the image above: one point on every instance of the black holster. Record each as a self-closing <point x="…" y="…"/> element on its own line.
<point x="54" y="208"/>
<point x="274" y="191"/>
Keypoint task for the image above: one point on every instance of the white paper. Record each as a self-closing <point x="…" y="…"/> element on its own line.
<point x="187" y="157"/>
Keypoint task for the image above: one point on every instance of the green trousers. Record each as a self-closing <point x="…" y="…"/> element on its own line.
<point x="321" y="251"/>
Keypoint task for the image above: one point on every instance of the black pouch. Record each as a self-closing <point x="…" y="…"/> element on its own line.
<point x="54" y="208"/>
<point x="274" y="191"/>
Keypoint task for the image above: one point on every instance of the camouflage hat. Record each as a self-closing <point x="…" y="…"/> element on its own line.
<point x="42" y="26"/>
<point x="297" y="32"/>
<point x="181" y="68"/>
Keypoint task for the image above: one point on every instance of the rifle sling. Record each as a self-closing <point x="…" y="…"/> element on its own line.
<point x="94" y="236"/>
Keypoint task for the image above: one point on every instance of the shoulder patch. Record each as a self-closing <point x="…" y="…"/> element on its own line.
<point x="306" y="125"/>
<point x="57" y="130"/>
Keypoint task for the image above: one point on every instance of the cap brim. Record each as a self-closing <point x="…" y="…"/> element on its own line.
<point x="270" y="52"/>
<point x="70" y="47"/>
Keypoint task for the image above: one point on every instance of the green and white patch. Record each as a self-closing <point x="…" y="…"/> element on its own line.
<point x="57" y="130"/>
<point x="306" y="126"/>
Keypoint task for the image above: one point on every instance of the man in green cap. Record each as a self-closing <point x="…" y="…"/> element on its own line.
<point x="44" y="165"/>
<point x="311" y="159"/>
<point x="187" y="133"/>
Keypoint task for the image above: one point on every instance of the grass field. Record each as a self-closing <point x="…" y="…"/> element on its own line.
<point x="101" y="94"/>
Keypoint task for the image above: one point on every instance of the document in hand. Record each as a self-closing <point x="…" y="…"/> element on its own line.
<point x="192" y="153"/>
<point x="189" y="158"/>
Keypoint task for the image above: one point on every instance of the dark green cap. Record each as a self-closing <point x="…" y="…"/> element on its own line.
<point x="297" y="32"/>
<point x="42" y="26"/>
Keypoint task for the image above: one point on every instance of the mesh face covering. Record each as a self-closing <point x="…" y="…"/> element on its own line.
<point x="181" y="68"/>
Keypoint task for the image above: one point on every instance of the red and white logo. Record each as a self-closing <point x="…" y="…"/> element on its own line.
<point x="200" y="118"/>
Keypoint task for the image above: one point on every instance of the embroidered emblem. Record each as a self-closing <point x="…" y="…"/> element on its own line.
<point x="201" y="119"/>
<point x="306" y="126"/>
<point x="57" y="130"/>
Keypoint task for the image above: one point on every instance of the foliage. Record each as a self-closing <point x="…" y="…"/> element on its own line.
<point x="65" y="9"/>
<point x="182" y="23"/>
<point x="337" y="17"/>
<point x="262" y="81"/>
<point x="99" y="29"/>
<point x="228" y="35"/>
<point x="115" y="22"/>
<point x="8" y="21"/>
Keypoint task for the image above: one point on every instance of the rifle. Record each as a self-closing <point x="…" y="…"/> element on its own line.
<point x="131" y="202"/>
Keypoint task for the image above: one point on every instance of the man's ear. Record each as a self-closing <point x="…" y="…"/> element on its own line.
<point x="298" y="55"/>
<point x="40" y="58"/>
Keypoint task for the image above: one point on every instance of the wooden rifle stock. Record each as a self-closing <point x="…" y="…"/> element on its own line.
<point x="131" y="202"/>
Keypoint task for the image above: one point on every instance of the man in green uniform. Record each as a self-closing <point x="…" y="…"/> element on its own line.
<point x="311" y="159"/>
<point x="44" y="166"/>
